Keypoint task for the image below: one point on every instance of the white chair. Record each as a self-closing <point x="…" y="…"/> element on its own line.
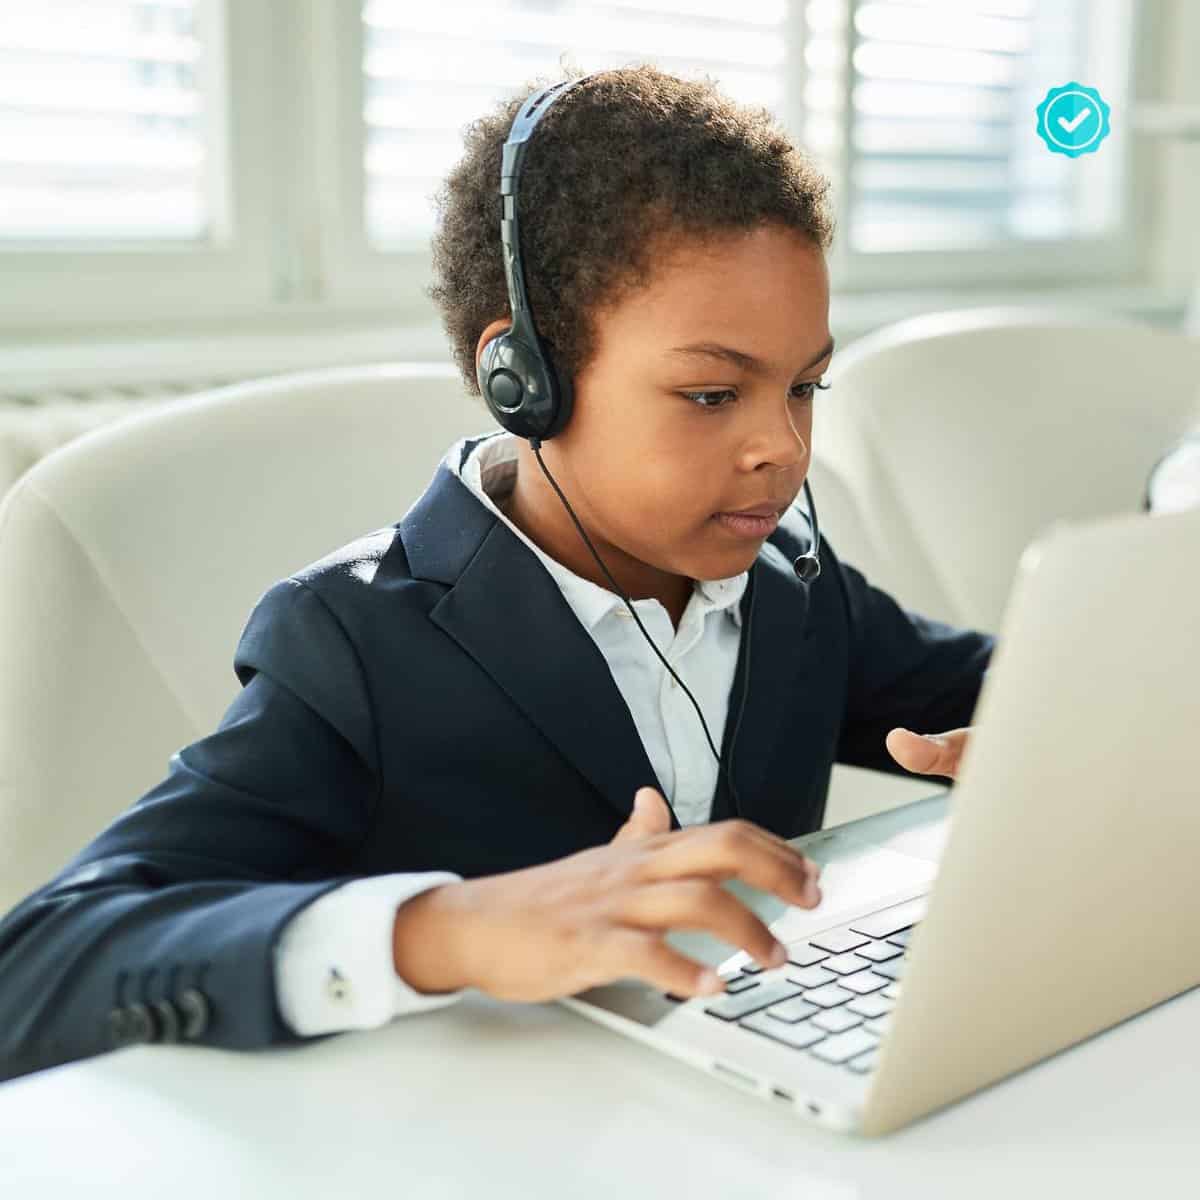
<point x="30" y="432"/>
<point x="131" y="557"/>
<point x="963" y="435"/>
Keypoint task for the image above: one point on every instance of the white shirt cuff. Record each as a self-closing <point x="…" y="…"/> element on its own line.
<point x="334" y="963"/>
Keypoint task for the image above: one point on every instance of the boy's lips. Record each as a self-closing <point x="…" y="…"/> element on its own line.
<point x="746" y="525"/>
<point x="757" y="510"/>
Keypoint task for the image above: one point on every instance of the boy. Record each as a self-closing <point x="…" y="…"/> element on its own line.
<point x="428" y="780"/>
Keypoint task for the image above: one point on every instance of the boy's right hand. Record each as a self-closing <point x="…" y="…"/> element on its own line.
<point x="601" y="914"/>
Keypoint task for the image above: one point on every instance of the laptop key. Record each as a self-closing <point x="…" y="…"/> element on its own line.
<point x="829" y="996"/>
<point x="811" y="977"/>
<point x="801" y="954"/>
<point x="864" y="1062"/>
<point x="845" y="964"/>
<point x="893" y="970"/>
<point x="740" y="983"/>
<point x="871" y="1005"/>
<point x="733" y="985"/>
<point x="878" y="1027"/>
<point x="730" y="1008"/>
<point x="892" y="920"/>
<point x="863" y="982"/>
<point x="836" y="1020"/>
<point x="891" y="992"/>
<point x="795" y="1009"/>
<point x="843" y="1046"/>
<point x="879" y="951"/>
<point x="838" y="941"/>
<point x="798" y="1036"/>
<point x="901" y="938"/>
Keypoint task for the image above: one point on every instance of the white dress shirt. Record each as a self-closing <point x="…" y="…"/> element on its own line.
<point x="1174" y="483"/>
<point x="334" y="966"/>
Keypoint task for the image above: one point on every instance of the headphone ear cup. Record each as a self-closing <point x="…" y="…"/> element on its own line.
<point x="503" y="382"/>
<point x="519" y="388"/>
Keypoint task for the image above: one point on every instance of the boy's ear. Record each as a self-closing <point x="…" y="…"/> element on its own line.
<point x="490" y="331"/>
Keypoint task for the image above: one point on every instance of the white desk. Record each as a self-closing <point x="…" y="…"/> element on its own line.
<point x="513" y="1100"/>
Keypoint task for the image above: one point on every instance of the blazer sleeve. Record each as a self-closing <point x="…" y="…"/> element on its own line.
<point x="188" y="888"/>
<point x="904" y="669"/>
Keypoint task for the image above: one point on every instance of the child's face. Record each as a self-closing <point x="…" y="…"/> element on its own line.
<point x="646" y="468"/>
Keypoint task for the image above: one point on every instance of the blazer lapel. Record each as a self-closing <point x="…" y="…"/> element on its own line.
<point x="506" y="612"/>
<point x="777" y="634"/>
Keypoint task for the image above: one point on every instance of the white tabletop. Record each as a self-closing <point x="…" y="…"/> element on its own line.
<point x="525" y="1100"/>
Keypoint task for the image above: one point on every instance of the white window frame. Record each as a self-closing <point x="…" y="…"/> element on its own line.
<point x="357" y="276"/>
<point x="300" y="252"/>
<point x="1114" y="258"/>
<point x="150" y="281"/>
<point x="362" y="275"/>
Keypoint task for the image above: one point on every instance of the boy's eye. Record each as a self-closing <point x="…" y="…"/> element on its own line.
<point x="802" y="391"/>
<point x="699" y="398"/>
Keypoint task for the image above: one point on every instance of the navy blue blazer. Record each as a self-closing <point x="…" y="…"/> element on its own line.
<point x="424" y="698"/>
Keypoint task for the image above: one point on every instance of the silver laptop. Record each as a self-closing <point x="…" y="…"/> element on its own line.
<point x="1062" y="897"/>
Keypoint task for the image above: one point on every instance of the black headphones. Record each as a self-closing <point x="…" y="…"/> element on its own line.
<point x="530" y="397"/>
<point x="523" y="388"/>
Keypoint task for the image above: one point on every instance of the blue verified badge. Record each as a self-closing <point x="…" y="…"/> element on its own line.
<point x="1072" y="120"/>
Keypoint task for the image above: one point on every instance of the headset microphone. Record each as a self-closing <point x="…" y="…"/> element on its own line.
<point x="530" y="397"/>
<point x="808" y="566"/>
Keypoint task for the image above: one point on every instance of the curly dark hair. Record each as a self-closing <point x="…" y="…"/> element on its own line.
<point x="623" y="165"/>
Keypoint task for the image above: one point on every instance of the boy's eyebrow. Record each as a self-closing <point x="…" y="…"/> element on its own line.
<point x="739" y="358"/>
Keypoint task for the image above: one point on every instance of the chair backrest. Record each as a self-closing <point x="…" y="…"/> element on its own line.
<point x="30" y="432"/>
<point x="963" y="435"/>
<point x="131" y="557"/>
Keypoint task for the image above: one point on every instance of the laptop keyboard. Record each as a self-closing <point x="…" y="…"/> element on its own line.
<point x="834" y="996"/>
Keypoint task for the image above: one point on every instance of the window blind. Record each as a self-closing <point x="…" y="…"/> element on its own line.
<point x="929" y="106"/>
<point x="103" y="121"/>
<point x="922" y="110"/>
<point x="428" y="70"/>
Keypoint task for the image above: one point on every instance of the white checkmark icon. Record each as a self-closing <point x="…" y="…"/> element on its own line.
<point x="1077" y="120"/>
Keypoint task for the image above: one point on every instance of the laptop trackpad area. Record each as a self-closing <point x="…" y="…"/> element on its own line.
<point x="857" y="880"/>
<point x="865" y="865"/>
<point x="853" y="880"/>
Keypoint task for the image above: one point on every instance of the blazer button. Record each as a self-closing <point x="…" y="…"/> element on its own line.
<point x="142" y="1024"/>
<point x="337" y="986"/>
<point x="168" y="1020"/>
<point x="118" y="1028"/>
<point x="194" y="1006"/>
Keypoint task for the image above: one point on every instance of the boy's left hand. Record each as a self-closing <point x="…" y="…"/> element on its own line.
<point x="938" y="757"/>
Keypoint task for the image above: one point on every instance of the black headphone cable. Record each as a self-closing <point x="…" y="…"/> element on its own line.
<point x="536" y="444"/>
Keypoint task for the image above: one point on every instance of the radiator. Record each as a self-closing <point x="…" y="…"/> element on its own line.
<point x="33" y="423"/>
<point x="149" y="392"/>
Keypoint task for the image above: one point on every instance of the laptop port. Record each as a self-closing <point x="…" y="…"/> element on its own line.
<point x="778" y="1091"/>
<point x="747" y="1081"/>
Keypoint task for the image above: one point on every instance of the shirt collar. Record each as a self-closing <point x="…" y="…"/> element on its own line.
<point x="490" y="472"/>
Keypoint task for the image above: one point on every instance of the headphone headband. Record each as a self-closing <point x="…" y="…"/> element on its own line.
<point x="531" y="112"/>
<point x="520" y="383"/>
